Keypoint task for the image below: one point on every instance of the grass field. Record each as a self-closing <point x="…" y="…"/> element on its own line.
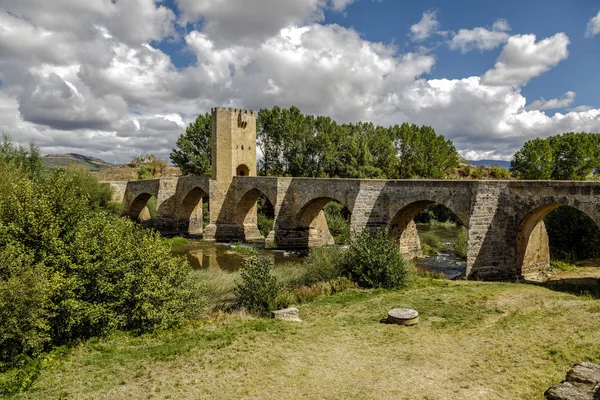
<point x="475" y="341"/>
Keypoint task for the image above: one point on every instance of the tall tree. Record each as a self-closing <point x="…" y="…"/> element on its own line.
<point x="422" y="153"/>
<point x="193" y="155"/>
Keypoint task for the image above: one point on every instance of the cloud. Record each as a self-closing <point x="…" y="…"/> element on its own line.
<point x="543" y="104"/>
<point x="340" y="5"/>
<point x="480" y="38"/>
<point x="523" y="58"/>
<point x="235" y="22"/>
<point x="75" y="79"/>
<point x="593" y="26"/>
<point x="425" y="27"/>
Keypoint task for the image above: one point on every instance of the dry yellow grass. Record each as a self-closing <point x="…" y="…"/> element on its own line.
<point x="475" y="341"/>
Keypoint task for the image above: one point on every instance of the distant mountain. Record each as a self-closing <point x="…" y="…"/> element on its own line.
<point x="53" y="161"/>
<point x="489" y="163"/>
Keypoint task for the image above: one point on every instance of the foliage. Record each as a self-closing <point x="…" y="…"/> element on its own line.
<point x="176" y="241"/>
<point x="145" y="172"/>
<point x="265" y="224"/>
<point x="338" y="222"/>
<point x="374" y="260"/>
<point x="497" y="172"/>
<point x="70" y="270"/>
<point x="436" y="213"/>
<point x="30" y="161"/>
<point x="241" y="248"/>
<point x="258" y="289"/>
<point x="322" y="264"/>
<point x="571" y="156"/>
<point x="423" y="153"/>
<point x="573" y="235"/>
<point x="431" y="243"/>
<point x="193" y="153"/>
<point x="461" y="244"/>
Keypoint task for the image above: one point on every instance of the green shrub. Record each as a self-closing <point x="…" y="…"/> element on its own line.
<point x="70" y="270"/>
<point x="258" y="289"/>
<point x="497" y="172"/>
<point x="337" y="222"/>
<point x="176" y="241"/>
<point x="460" y="247"/>
<point x="429" y="239"/>
<point x="322" y="264"/>
<point x="241" y="248"/>
<point x="145" y="171"/>
<point x="265" y="224"/>
<point x="374" y="260"/>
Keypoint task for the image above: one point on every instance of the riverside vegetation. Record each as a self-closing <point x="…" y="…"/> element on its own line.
<point x="93" y="306"/>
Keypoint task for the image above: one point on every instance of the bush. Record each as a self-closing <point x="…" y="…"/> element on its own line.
<point x="258" y="289"/>
<point x="70" y="270"/>
<point x="265" y="224"/>
<point x="497" y="172"/>
<point x="460" y="247"/>
<point x="145" y="171"/>
<point x="323" y="264"/>
<point x="430" y="240"/>
<point x="337" y="222"/>
<point x="374" y="260"/>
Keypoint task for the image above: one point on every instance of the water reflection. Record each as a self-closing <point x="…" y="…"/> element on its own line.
<point x="222" y="256"/>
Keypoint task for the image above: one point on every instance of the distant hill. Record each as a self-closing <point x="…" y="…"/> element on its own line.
<point x="53" y="161"/>
<point x="489" y="163"/>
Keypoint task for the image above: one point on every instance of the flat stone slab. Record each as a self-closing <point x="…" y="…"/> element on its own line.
<point x="403" y="316"/>
<point x="582" y="383"/>
<point x="287" y="314"/>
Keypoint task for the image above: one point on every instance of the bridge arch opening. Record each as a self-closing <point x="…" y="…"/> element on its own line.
<point x="255" y="215"/>
<point x="143" y="208"/>
<point x="556" y="233"/>
<point x="324" y="221"/>
<point x="193" y="212"/>
<point x="427" y="228"/>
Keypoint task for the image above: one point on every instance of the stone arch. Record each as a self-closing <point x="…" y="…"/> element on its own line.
<point x="246" y="213"/>
<point x="138" y="205"/>
<point x="532" y="245"/>
<point x="242" y="170"/>
<point x="311" y="218"/>
<point x="190" y="211"/>
<point x="403" y="229"/>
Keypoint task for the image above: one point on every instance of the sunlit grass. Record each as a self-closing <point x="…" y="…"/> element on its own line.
<point x="475" y="341"/>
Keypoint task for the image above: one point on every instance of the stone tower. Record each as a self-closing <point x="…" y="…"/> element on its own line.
<point x="233" y="143"/>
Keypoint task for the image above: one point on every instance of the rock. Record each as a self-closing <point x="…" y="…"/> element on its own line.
<point x="287" y="314"/>
<point x="568" y="391"/>
<point x="583" y="383"/>
<point x="585" y="373"/>
<point x="403" y="316"/>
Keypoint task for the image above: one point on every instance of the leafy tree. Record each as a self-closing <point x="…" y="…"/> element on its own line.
<point x="570" y="156"/>
<point x="257" y="291"/>
<point x="534" y="160"/>
<point x="422" y="153"/>
<point x="29" y="161"/>
<point x="193" y="153"/>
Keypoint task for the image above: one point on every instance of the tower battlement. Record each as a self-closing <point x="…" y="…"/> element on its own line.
<point x="229" y="109"/>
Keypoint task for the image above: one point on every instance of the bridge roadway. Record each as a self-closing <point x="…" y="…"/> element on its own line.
<point x="506" y="235"/>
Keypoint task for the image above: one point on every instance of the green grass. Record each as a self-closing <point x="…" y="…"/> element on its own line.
<point x="241" y="248"/>
<point x="475" y="341"/>
<point x="177" y="241"/>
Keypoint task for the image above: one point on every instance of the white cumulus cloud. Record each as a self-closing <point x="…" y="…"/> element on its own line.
<point x="523" y="58"/>
<point x="480" y="38"/>
<point x="425" y="27"/>
<point x="552" y="104"/>
<point x="593" y="26"/>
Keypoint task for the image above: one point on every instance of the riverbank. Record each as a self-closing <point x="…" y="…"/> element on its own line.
<point x="475" y="340"/>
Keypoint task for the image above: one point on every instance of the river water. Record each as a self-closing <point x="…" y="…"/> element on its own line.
<point x="229" y="257"/>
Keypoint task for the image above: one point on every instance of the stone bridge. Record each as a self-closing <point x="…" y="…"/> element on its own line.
<point x="503" y="219"/>
<point x="506" y="236"/>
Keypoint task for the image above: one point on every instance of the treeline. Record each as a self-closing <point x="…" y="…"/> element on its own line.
<point x="294" y="144"/>
<point x="570" y="156"/>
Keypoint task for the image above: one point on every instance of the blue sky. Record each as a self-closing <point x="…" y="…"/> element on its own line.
<point x="120" y="78"/>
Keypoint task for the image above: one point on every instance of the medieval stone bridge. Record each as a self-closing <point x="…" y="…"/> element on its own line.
<point x="503" y="219"/>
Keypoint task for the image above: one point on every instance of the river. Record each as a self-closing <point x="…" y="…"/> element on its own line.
<point x="229" y="257"/>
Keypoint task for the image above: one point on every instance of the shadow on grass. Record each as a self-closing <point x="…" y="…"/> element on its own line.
<point x="579" y="286"/>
